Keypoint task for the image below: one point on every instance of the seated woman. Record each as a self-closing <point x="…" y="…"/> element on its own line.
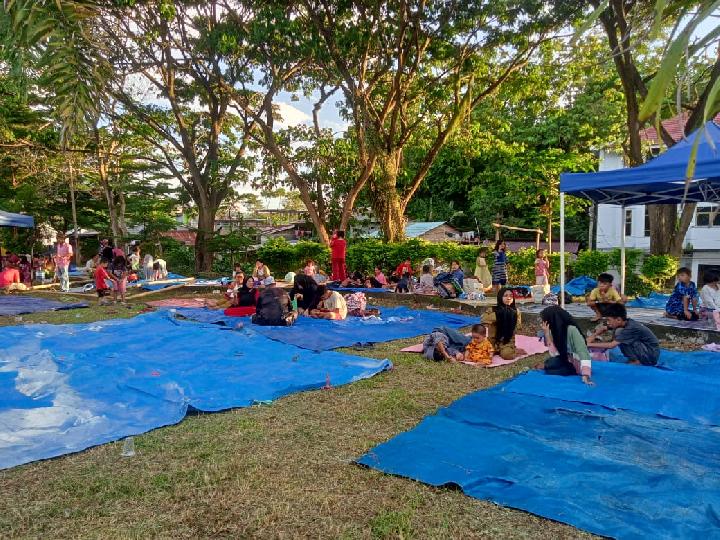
<point x="234" y="287"/>
<point x="245" y="298"/>
<point x="502" y="322"/>
<point x="569" y="354"/>
<point x="274" y="307"/>
<point x="331" y="305"/>
<point x="445" y="344"/>
<point x="305" y="292"/>
<point x="354" y="280"/>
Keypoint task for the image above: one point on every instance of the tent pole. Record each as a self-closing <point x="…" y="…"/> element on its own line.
<point x="622" y="250"/>
<point x="562" y="249"/>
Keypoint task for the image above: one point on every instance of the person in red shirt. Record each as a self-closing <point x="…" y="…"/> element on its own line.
<point x="101" y="278"/>
<point x="405" y="266"/>
<point x="10" y="279"/>
<point x="338" y="247"/>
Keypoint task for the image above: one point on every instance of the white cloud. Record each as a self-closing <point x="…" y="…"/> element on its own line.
<point x="291" y="116"/>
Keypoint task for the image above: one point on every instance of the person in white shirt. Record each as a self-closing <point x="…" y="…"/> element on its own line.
<point x="710" y="297"/>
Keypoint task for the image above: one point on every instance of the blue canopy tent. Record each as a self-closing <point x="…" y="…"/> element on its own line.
<point x="661" y="180"/>
<point x="8" y="219"/>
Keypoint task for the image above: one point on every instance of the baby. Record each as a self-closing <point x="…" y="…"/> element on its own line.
<point x="479" y="350"/>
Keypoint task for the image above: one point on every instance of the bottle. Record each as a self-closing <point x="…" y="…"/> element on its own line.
<point x="128" y="449"/>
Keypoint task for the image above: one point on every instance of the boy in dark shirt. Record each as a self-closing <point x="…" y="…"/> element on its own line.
<point x="637" y="343"/>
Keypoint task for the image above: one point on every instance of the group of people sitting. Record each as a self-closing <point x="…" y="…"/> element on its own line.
<point x="258" y="295"/>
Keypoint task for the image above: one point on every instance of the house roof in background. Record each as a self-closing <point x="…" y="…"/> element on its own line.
<point x="417" y="228"/>
<point x="675" y="126"/>
<point x="186" y="237"/>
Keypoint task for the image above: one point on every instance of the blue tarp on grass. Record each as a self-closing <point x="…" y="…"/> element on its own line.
<point x="577" y="287"/>
<point x="64" y="388"/>
<point x="21" y="305"/>
<point x="612" y="472"/>
<point x="323" y="335"/>
<point x="654" y="300"/>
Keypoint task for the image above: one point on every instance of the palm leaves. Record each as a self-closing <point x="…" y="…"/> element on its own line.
<point x="58" y="37"/>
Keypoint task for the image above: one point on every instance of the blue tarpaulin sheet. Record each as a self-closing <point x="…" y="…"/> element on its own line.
<point x="612" y="472"/>
<point x="671" y="394"/>
<point x="653" y="301"/>
<point x="360" y="289"/>
<point x="64" y="388"/>
<point x="21" y="305"/>
<point x="578" y="286"/>
<point x="324" y="335"/>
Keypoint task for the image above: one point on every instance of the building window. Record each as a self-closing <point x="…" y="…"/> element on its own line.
<point x="628" y="222"/>
<point x="646" y="232"/>
<point x="707" y="216"/>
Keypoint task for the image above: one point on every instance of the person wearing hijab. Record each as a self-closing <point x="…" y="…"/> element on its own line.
<point x="305" y="291"/>
<point x="569" y="354"/>
<point x="502" y="321"/>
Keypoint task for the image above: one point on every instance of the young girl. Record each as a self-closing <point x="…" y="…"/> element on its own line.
<point x="231" y="292"/>
<point x="542" y="268"/>
<point x="499" y="271"/>
<point x="101" y="281"/>
<point x="569" y="354"/>
<point x="427" y="284"/>
<point x="25" y="271"/>
<point x="380" y="277"/>
<point x="502" y="322"/>
<point x="120" y="273"/>
<point x="684" y="294"/>
<point x="260" y="272"/>
<point x="481" y="270"/>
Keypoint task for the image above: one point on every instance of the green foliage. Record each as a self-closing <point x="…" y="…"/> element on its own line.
<point x="179" y="258"/>
<point x="659" y="268"/>
<point x="282" y="256"/>
<point x="591" y="263"/>
<point x="636" y="285"/>
<point x="633" y="257"/>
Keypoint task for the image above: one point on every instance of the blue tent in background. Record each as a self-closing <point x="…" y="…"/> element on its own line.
<point x="661" y="180"/>
<point x="8" y="219"/>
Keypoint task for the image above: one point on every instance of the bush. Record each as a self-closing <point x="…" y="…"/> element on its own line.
<point x="636" y="285"/>
<point x="659" y="268"/>
<point x="632" y="259"/>
<point x="180" y="259"/>
<point x="591" y="263"/>
<point x="283" y="257"/>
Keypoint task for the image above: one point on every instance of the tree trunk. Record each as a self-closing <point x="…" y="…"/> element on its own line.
<point x="205" y="232"/>
<point x="386" y="201"/>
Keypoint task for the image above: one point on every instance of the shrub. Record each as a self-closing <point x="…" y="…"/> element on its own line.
<point x="659" y="268"/>
<point x="632" y="259"/>
<point x="283" y="257"/>
<point x="591" y="263"/>
<point x="180" y="259"/>
<point x="636" y="285"/>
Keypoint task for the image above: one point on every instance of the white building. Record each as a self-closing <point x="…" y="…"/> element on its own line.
<point x="702" y="241"/>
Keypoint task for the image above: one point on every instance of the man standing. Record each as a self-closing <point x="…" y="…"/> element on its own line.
<point x="63" y="256"/>
<point x="338" y="248"/>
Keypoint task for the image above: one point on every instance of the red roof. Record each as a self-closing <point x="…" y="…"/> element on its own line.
<point x="675" y="126"/>
<point x="186" y="237"/>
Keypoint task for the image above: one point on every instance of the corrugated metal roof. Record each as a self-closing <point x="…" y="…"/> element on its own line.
<point x="418" y="228"/>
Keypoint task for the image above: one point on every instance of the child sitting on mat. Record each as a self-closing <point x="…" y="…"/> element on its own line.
<point x="683" y="296"/>
<point x="357" y="305"/>
<point x="479" y="350"/>
<point x="602" y="296"/>
<point x="710" y="296"/>
<point x="101" y="281"/>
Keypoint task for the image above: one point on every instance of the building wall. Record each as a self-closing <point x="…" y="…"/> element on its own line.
<point x="438" y="234"/>
<point x="611" y="222"/>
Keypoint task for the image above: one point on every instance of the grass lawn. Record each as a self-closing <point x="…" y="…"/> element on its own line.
<point x="279" y="471"/>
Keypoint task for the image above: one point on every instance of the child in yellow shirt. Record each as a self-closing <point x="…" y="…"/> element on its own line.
<point x="603" y="295"/>
<point x="479" y="350"/>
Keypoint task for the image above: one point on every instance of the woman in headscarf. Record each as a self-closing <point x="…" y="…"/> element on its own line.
<point x="305" y="291"/>
<point x="502" y="321"/>
<point x="569" y="354"/>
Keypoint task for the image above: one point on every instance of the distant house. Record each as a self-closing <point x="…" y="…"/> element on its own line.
<point x="432" y="231"/>
<point x="702" y="241"/>
<point x="291" y="232"/>
<point x="181" y="235"/>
